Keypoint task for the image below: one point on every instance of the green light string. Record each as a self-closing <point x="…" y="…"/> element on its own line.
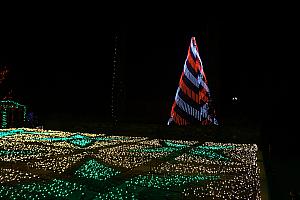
<point x="77" y="139"/>
<point x="13" y="102"/>
<point x="172" y="144"/>
<point x="208" y="153"/>
<point x="94" y="170"/>
<point x="81" y="140"/>
<point x="4" y="118"/>
<point x="11" y="132"/>
<point x="118" y="193"/>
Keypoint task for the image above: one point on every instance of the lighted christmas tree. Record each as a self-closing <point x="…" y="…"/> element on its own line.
<point x="193" y="103"/>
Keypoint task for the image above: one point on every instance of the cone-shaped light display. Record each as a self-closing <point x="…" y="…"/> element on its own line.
<point x="192" y="103"/>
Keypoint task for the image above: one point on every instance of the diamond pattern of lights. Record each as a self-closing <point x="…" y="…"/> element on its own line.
<point x="46" y="164"/>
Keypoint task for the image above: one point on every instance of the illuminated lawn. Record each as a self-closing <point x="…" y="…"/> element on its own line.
<point x="44" y="164"/>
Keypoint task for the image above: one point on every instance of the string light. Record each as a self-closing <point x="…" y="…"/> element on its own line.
<point x="7" y="106"/>
<point x="32" y="160"/>
<point x="114" y="83"/>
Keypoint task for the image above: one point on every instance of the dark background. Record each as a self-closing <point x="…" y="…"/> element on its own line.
<point x="61" y="61"/>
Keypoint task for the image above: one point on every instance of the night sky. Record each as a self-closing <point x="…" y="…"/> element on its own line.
<point x="63" y="65"/>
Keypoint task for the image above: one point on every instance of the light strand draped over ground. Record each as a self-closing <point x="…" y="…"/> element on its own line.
<point x="43" y="164"/>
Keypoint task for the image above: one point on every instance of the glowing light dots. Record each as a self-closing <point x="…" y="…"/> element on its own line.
<point x="46" y="164"/>
<point x="164" y="186"/>
<point x="55" y="189"/>
<point x="130" y="156"/>
<point x="235" y="164"/>
<point x="4" y="71"/>
<point x="115" y="82"/>
<point x="234" y="99"/>
<point x="11" y="108"/>
<point x="11" y="175"/>
<point x="92" y="169"/>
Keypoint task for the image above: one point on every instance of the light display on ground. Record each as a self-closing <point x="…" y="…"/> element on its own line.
<point x="92" y="169"/>
<point x="55" y="189"/>
<point x="45" y="164"/>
